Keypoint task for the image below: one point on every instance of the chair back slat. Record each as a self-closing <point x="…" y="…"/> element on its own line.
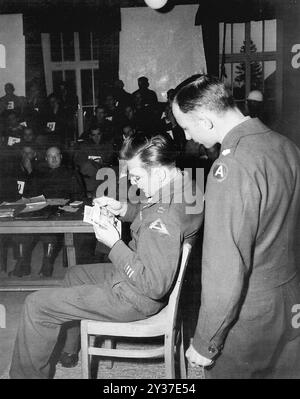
<point x="175" y="294"/>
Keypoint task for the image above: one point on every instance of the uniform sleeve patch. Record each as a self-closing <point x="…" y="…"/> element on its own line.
<point x="220" y="171"/>
<point x="159" y="226"/>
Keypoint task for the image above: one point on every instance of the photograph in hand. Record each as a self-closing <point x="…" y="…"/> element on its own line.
<point x="97" y="215"/>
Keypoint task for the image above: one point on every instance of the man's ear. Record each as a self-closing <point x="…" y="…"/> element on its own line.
<point x="162" y="173"/>
<point x="205" y="121"/>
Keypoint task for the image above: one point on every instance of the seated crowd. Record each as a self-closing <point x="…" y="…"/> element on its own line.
<point x="42" y="154"/>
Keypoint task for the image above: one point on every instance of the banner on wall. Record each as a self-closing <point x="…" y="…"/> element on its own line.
<point x="12" y="53"/>
<point x="164" y="47"/>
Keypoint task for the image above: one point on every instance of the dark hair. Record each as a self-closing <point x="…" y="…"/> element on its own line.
<point x="153" y="151"/>
<point x="203" y="91"/>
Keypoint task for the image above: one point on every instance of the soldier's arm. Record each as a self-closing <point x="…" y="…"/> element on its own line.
<point x="153" y="266"/>
<point x="231" y="222"/>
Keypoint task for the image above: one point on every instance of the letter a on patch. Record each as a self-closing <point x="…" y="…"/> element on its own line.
<point x="220" y="171"/>
<point x="159" y="226"/>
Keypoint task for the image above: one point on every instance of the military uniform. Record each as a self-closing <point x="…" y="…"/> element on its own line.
<point x="249" y="278"/>
<point x="134" y="287"/>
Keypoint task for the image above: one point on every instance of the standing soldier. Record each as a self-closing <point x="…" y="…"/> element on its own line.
<point x="250" y="284"/>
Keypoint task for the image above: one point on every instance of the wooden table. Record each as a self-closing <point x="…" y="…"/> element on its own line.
<point x="58" y="225"/>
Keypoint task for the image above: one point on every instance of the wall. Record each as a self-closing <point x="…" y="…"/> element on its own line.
<point x="165" y="47"/>
<point x="12" y="39"/>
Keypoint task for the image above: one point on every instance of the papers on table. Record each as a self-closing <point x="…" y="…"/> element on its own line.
<point x="30" y="205"/>
<point x="7" y="212"/>
<point x="33" y="200"/>
<point x="57" y="201"/>
<point x="68" y="208"/>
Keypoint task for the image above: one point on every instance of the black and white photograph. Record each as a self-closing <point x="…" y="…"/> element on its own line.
<point x="150" y="192"/>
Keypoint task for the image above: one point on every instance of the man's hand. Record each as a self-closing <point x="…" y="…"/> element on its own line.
<point x="116" y="207"/>
<point x="195" y="359"/>
<point x="106" y="233"/>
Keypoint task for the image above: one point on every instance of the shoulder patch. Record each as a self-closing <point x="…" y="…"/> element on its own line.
<point x="159" y="226"/>
<point x="220" y="171"/>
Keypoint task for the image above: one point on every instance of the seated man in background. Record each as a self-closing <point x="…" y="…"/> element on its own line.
<point x="10" y="101"/>
<point x="138" y="282"/>
<point x="93" y="154"/>
<point x="149" y="97"/>
<point x="99" y="120"/>
<point x="53" y="181"/>
<point x="23" y="171"/>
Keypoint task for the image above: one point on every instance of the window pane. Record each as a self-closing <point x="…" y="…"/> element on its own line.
<point x="228" y="76"/>
<point x="87" y="113"/>
<point x="256" y="34"/>
<point x="270" y="114"/>
<point x="55" y="47"/>
<point x="96" y="45"/>
<point x="85" y="46"/>
<point x="70" y="77"/>
<point x="57" y="78"/>
<point x="256" y="78"/>
<point x="270" y="35"/>
<point x="68" y="45"/>
<point x="238" y="84"/>
<point x="269" y="79"/>
<point x="227" y="38"/>
<point x="238" y="38"/>
<point x="96" y="85"/>
<point x="87" y="87"/>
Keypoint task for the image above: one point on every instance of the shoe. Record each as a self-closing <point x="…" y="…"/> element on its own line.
<point x="68" y="360"/>
<point x="47" y="268"/>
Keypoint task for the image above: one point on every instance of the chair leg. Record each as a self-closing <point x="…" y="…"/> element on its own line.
<point x="85" y="357"/>
<point x="109" y="343"/>
<point x="169" y="356"/>
<point x="182" y="359"/>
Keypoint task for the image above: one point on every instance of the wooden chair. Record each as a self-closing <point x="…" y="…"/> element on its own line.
<point x="163" y="324"/>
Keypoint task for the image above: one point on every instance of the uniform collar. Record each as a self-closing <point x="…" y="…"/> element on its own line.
<point x="246" y="128"/>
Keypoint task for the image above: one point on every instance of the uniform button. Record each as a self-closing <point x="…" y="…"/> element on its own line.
<point x="211" y="349"/>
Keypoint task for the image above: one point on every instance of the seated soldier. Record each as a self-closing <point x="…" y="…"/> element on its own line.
<point x="99" y="120"/>
<point x="13" y="130"/>
<point x="93" y="154"/>
<point x="10" y="101"/>
<point x="52" y="181"/>
<point x="55" y="122"/>
<point x="138" y="282"/>
<point x="23" y="172"/>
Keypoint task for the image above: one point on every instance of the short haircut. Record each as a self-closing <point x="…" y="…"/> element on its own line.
<point x="53" y="146"/>
<point x="154" y="151"/>
<point x="203" y="91"/>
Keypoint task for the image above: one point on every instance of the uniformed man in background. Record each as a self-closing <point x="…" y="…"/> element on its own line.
<point x="53" y="180"/>
<point x="250" y="285"/>
<point x="137" y="283"/>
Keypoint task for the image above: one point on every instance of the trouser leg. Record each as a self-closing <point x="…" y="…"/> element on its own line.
<point x="24" y="246"/>
<point x="50" y="246"/>
<point x="46" y="310"/>
<point x="78" y="276"/>
<point x="3" y="254"/>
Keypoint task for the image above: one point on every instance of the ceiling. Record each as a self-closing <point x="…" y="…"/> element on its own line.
<point x="11" y="6"/>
